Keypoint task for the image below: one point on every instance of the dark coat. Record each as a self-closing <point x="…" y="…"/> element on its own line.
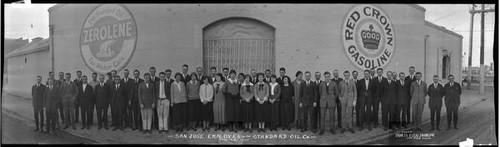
<point x="51" y="97"/>
<point x="134" y="97"/>
<point x="308" y="94"/>
<point x="129" y="85"/>
<point x="37" y="95"/>
<point x="84" y="98"/>
<point x="452" y="94"/>
<point x="380" y="86"/>
<point x="118" y="95"/>
<point x="365" y="95"/>
<point x="186" y="78"/>
<point x="338" y="85"/>
<point x="166" y="87"/>
<point x="102" y="95"/>
<point x="403" y="93"/>
<point x="78" y="82"/>
<point x="146" y="95"/>
<point x="390" y="93"/>
<point x="435" y="95"/>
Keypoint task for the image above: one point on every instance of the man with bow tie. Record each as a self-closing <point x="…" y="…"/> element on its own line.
<point x="38" y="103"/>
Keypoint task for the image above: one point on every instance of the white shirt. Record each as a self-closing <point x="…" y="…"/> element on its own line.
<point x="206" y="92"/>
<point x="367" y="81"/>
<point x="418" y="82"/>
<point x="232" y="81"/>
<point x="84" y="85"/>
<point x="436" y="85"/>
<point x="307" y="83"/>
<point x="162" y="89"/>
<point x="273" y="85"/>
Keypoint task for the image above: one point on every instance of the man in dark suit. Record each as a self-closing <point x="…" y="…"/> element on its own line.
<point x="102" y="102"/>
<point x="135" y="114"/>
<point x="378" y="93"/>
<point x="154" y="79"/>
<point x="316" y="116"/>
<point x="253" y="73"/>
<point x="213" y="71"/>
<point x="409" y="79"/>
<point x="168" y="78"/>
<point x="127" y="105"/>
<point x="185" y="75"/>
<point x="388" y="100"/>
<point x="365" y="91"/>
<point x="268" y="76"/>
<point x="118" y="98"/>
<point x="225" y="72"/>
<point x="84" y="98"/>
<point x="308" y="97"/>
<point x="38" y="103"/>
<point x="69" y="92"/>
<point x="452" y="93"/>
<point x="57" y="84"/>
<point x="356" y="107"/>
<point x="201" y="75"/>
<point x="403" y="96"/>
<point x="436" y="93"/>
<point x="78" y="83"/>
<point x="337" y="81"/>
<point x="52" y="99"/>
<point x="282" y="75"/>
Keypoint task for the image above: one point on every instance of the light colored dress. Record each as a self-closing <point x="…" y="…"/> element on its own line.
<point x="219" y="102"/>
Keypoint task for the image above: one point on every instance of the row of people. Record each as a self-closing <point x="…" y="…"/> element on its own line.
<point x="188" y="100"/>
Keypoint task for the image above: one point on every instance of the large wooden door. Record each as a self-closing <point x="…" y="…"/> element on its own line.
<point x="241" y="44"/>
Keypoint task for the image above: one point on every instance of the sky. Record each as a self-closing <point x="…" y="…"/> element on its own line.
<point x="30" y="21"/>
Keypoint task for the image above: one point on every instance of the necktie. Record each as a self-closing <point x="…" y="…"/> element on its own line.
<point x="162" y="89"/>
<point x="307" y="83"/>
<point x="327" y="89"/>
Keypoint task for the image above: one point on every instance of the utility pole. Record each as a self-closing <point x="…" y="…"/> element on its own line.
<point x="481" y="61"/>
<point x="469" y="78"/>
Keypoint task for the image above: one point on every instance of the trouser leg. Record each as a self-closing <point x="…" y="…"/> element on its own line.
<point x="77" y="112"/>
<point x="455" y="115"/>
<point x="343" y="106"/>
<point x="414" y="115"/>
<point x="99" y="117"/>
<point x="433" y="115"/>
<point x="166" y="112"/>
<point x="323" y="118"/>
<point x="37" y="118"/>
<point x="339" y="112"/>
<point x="438" y="116"/>
<point x="385" y="115"/>
<point x="84" y="116"/>
<point x="368" y="113"/>
<point x="375" y="111"/>
<point x="160" y="115"/>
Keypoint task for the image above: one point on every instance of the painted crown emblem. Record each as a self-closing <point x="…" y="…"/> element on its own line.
<point x="370" y="38"/>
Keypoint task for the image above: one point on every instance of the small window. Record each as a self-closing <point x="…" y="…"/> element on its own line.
<point x="25" y="60"/>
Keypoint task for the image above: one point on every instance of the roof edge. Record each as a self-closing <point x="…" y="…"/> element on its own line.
<point x="57" y="6"/>
<point x="416" y="6"/>
<point x="428" y="23"/>
<point x="27" y="52"/>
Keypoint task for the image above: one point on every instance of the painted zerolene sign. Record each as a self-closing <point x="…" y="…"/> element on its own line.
<point x="108" y="38"/>
<point x="368" y="37"/>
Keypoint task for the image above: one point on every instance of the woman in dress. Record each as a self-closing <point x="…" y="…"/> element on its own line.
<point x="206" y="97"/>
<point x="274" y="98"/>
<point x="179" y="102"/>
<point x="261" y="93"/>
<point x="232" y="100"/>
<point x="296" y="88"/>
<point x="247" y="104"/>
<point x="194" y="103"/>
<point x="287" y="109"/>
<point x="219" y="102"/>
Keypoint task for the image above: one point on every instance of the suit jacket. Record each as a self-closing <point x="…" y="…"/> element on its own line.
<point x="338" y="85"/>
<point x="435" y="95"/>
<point x="348" y="92"/>
<point x="186" y="78"/>
<point x="409" y="81"/>
<point x="390" y="94"/>
<point x="379" y="90"/>
<point x="329" y="94"/>
<point x="365" y="95"/>
<point x="308" y="94"/>
<point x="101" y="95"/>
<point x="452" y="94"/>
<point x="134" y="97"/>
<point x="128" y="87"/>
<point x="418" y="92"/>
<point x="78" y="82"/>
<point x="37" y="95"/>
<point x="166" y="88"/>
<point x="68" y="91"/>
<point x="84" y="98"/>
<point x="146" y="95"/>
<point x="318" y="95"/>
<point x="51" y="97"/>
<point x="118" y="95"/>
<point x="403" y="93"/>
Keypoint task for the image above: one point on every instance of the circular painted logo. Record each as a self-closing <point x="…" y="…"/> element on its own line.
<point x="368" y="37"/>
<point x="108" y="38"/>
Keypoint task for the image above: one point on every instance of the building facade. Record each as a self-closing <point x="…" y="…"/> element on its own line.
<point x="306" y="37"/>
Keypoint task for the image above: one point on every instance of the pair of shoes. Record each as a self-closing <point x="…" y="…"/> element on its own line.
<point x="321" y="132"/>
<point x="82" y="128"/>
<point x="438" y="129"/>
<point x="432" y="129"/>
<point x="36" y="130"/>
<point x="303" y="130"/>
<point x="332" y="131"/>
<point x="456" y="128"/>
<point x="361" y="128"/>
<point x="342" y="131"/>
<point x="351" y="130"/>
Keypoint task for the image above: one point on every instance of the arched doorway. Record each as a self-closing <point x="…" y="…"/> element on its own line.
<point x="239" y="43"/>
<point x="446" y="64"/>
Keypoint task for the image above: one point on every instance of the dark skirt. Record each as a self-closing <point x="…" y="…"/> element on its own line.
<point x="193" y="110"/>
<point x="232" y="108"/>
<point x="274" y="112"/>
<point x="287" y="112"/>
<point x="206" y="111"/>
<point x="247" y="111"/>
<point x="179" y="114"/>
<point x="261" y="112"/>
